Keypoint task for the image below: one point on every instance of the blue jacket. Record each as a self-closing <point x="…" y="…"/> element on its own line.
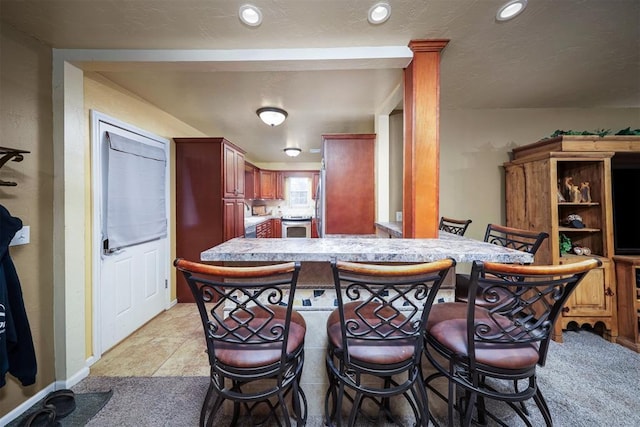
<point x="17" y="355"/>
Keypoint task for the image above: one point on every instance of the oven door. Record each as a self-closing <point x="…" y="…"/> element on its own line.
<point x="296" y="229"/>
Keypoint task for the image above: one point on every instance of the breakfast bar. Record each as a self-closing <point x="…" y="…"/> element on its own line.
<point x="315" y="296"/>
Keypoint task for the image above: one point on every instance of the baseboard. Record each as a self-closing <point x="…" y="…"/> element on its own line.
<point x="172" y="303"/>
<point x="74" y="379"/>
<point x="24" y="406"/>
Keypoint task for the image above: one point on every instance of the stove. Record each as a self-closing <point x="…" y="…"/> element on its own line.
<point x="296" y="218"/>
<point x="296" y="226"/>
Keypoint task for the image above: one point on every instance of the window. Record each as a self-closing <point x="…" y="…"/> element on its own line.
<point x="299" y="192"/>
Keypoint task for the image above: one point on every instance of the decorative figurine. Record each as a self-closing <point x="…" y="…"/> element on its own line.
<point x="585" y="192"/>
<point x="566" y="187"/>
<point x="576" y="196"/>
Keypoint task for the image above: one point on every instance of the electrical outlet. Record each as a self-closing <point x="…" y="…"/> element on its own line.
<point x="22" y="236"/>
<point x="399" y="216"/>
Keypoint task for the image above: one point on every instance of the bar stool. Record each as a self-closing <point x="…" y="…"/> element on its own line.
<point x="376" y="335"/>
<point x="509" y="237"/>
<point x="486" y="350"/>
<point x="454" y="226"/>
<point x="255" y="340"/>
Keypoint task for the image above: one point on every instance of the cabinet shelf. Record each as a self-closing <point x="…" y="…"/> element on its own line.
<point x="578" y="230"/>
<point x="578" y="204"/>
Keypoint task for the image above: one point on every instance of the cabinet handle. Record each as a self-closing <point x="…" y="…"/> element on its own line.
<point x="608" y="292"/>
<point x="565" y="309"/>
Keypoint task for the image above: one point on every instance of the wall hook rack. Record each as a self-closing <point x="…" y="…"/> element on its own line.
<point x="10" y="154"/>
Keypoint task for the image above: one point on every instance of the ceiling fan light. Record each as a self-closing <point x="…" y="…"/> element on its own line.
<point x="379" y="13"/>
<point x="250" y="15"/>
<point x="271" y="115"/>
<point x="511" y="9"/>
<point x="292" y="151"/>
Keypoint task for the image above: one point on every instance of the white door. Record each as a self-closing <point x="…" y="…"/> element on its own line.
<point x="130" y="281"/>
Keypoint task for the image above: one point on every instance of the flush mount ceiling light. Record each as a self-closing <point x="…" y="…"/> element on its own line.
<point x="271" y="115"/>
<point x="292" y="151"/>
<point x="511" y="9"/>
<point x="250" y="15"/>
<point x="379" y="13"/>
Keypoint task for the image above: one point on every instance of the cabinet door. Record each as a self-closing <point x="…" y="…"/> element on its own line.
<point x="276" y="228"/>
<point x="314" y="229"/>
<point x="267" y="185"/>
<point x="279" y="186"/>
<point x="239" y="173"/>
<point x="233" y="218"/>
<point x="239" y="219"/>
<point x="594" y="295"/>
<point x="230" y="174"/>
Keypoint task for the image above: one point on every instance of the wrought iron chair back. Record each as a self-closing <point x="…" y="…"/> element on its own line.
<point x="504" y="335"/>
<point x="515" y="238"/>
<point x="252" y="333"/>
<point x="378" y="331"/>
<point x="454" y="226"/>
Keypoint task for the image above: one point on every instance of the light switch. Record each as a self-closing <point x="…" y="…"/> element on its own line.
<point x="22" y="236"/>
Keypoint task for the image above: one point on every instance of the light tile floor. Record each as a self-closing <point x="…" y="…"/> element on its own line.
<point x="171" y="344"/>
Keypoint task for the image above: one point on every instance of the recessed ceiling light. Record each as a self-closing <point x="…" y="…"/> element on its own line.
<point x="511" y="9"/>
<point x="250" y="15"/>
<point x="379" y="13"/>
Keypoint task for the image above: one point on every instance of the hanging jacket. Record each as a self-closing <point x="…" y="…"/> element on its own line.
<point x="17" y="355"/>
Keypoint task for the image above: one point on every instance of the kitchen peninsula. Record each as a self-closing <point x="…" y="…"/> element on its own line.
<point x="315" y="296"/>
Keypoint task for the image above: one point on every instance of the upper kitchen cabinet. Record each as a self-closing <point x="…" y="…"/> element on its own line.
<point x="209" y="198"/>
<point x="251" y="181"/>
<point x="348" y="187"/>
<point x="267" y="184"/>
<point x="233" y="170"/>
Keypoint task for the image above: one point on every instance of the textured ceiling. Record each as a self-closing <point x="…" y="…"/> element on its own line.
<point x="557" y="54"/>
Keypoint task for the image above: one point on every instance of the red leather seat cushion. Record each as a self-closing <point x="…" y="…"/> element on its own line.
<point x="453" y="335"/>
<point x="383" y="353"/>
<point x="264" y="354"/>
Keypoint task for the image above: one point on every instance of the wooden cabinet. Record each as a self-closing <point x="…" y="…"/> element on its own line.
<point x="349" y="195"/>
<point x="233" y="218"/>
<point x="261" y="184"/>
<point x="207" y="171"/>
<point x="233" y="172"/>
<point x="267" y="184"/>
<point x="533" y="180"/>
<point x="628" y="285"/>
<point x="251" y="182"/>
<point x="276" y="228"/>
<point x="280" y="185"/>
<point x="314" y="228"/>
<point x="264" y="230"/>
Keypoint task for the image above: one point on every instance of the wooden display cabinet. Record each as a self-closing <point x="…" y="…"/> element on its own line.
<point x="628" y="282"/>
<point x="532" y="186"/>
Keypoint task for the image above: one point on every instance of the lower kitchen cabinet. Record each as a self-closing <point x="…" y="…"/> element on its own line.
<point x="276" y="228"/>
<point x="263" y="230"/>
<point x="233" y="218"/>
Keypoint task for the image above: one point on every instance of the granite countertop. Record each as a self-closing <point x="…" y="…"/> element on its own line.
<point x="367" y="249"/>
<point x="393" y="228"/>
<point x="255" y="220"/>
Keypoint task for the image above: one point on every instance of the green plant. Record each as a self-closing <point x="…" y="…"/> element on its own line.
<point x="565" y="244"/>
